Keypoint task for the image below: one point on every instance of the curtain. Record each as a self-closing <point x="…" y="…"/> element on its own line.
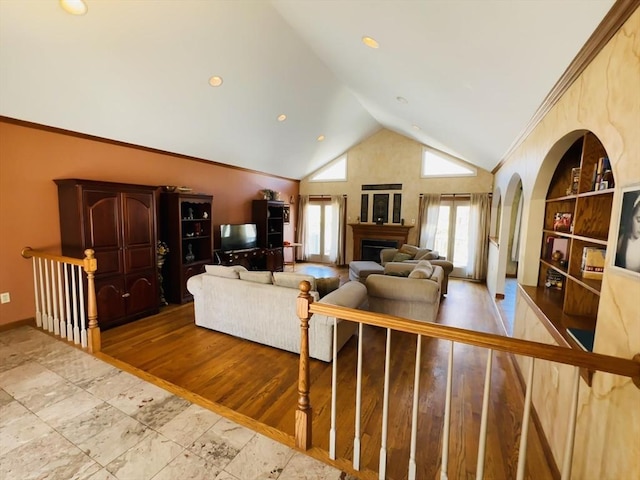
<point x="428" y="220"/>
<point x="301" y="252"/>
<point x="479" y="222"/>
<point x="336" y="249"/>
<point x="515" y="247"/>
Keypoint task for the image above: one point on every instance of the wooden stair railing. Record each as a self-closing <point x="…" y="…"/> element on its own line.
<point x="60" y="296"/>
<point x="536" y="351"/>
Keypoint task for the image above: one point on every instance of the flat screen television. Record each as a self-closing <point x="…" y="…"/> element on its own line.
<point x="238" y="237"/>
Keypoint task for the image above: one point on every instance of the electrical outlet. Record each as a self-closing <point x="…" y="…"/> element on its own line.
<point x="5" y="297"/>
<point x="413" y="221"/>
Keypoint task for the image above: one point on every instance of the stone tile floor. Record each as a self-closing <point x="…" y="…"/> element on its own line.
<point x="65" y="414"/>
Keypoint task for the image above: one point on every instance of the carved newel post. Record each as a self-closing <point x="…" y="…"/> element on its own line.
<point x="303" y="413"/>
<point x="93" y="332"/>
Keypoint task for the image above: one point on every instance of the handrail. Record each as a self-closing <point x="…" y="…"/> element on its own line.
<point x="592" y="361"/>
<point x="90" y="265"/>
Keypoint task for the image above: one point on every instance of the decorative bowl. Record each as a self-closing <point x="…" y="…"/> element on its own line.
<point x="169" y="188"/>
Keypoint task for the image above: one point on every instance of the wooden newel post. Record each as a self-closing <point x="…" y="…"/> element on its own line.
<point x="303" y="413"/>
<point x="93" y="333"/>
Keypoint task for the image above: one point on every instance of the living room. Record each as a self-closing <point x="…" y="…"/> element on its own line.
<point x="602" y="100"/>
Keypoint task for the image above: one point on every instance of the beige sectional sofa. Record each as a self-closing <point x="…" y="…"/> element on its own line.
<point x="412" y="255"/>
<point x="406" y="290"/>
<point x="261" y="307"/>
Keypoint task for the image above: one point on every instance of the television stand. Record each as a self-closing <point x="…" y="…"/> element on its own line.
<point x="263" y="259"/>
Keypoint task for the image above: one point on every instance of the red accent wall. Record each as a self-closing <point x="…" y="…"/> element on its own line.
<point x="31" y="158"/>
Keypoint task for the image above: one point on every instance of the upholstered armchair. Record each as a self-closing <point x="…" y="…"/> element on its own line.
<point x="411" y="254"/>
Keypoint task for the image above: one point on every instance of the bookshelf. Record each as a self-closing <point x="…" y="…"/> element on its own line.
<point x="576" y="221"/>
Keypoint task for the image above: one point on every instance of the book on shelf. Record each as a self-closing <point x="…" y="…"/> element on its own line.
<point x="602" y="175"/>
<point x="562" y="221"/>
<point x="592" y="266"/>
<point x="554" y="279"/>
<point x="575" y="180"/>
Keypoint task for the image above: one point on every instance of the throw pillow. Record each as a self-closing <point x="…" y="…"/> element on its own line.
<point x="257" y="277"/>
<point x="429" y="255"/>
<point x="410" y="249"/>
<point x="292" y="280"/>
<point x="401" y="257"/>
<point x="327" y="285"/>
<point x="397" y="273"/>
<point x="222" y="271"/>
<point x="422" y="272"/>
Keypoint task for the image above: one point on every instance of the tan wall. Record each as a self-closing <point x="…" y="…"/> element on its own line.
<point x="30" y="158"/>
<point x="605" y="100"/>
<point x="388" y="157"/>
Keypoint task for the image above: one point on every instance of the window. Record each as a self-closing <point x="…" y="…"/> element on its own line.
<point x="336" y="171"/>
<point x="440" y="164"/>
<point x="320" y="220"/>
<point x="452" y="234"/>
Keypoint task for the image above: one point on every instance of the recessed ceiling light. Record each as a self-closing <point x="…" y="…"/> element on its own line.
<point x="215" y="81"/>
<point x="370" y="42"/>
<point x="320" y="138"/>
<point x="74" y="7"/>
<point x="416" y="127"/>
<point x="282" y="117"/>
<point x="402" y="100"/>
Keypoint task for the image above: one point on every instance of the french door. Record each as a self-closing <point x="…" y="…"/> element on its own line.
<point x="320" y="221"/>
<point x="452" y="234"/>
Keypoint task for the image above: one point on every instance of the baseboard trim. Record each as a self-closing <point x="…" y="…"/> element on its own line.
<point x="27" y="322"/>
<point x="546" y="448"/>
<point x="500" y="296"/>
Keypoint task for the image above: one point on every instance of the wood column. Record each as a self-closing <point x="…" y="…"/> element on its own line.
<point x="93" y="332"/>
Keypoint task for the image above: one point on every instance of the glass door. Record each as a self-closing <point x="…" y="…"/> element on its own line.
<point x="320" y="234"/>
<point x="452" y="234"/>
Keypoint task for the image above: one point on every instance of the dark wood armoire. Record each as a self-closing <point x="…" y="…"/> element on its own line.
<point x="118" y="221"/>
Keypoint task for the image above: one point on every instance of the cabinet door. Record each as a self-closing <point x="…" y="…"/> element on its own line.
<point x="138" y="232"/>
<point x="102" y="229"/>
<point x="275" y="260"/>
<point x="142" y="293"/>
<point x="110" y="300"/>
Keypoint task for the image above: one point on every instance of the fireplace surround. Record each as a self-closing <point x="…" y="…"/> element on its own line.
<point x="376" y="237"/>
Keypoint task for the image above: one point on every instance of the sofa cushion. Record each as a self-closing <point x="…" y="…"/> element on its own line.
<point x="257" y="277"/>
<point x="423" y="269"/>
<point x="225" y="272"/>
<point x="401" y="257"/>
<point x="327" y="285"/>
<point x="292" y="280"/>
<point x="409" y="249"/>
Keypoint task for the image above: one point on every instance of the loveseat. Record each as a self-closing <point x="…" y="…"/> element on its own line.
<point x="412" y="255"/>
<point x="261" y="307"/>
<point x="406" y="290"/>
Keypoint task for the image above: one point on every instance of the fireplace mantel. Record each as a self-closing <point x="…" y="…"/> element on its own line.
<point x="399" y="233"/>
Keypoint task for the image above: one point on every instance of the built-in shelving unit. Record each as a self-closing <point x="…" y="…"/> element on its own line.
<point x="577" y="218"/>
<point x="268" y="215"/>
<point x="187" y="229"/>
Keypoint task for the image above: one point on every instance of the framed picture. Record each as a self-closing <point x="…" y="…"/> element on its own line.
<point x="627" y="248"/>
<point x="286" y="211"/>
<point x="380" y="208"/>
<point x="562" y="221"/>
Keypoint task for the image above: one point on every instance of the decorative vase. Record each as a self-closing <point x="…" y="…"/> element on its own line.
<point x="556" y="256"/>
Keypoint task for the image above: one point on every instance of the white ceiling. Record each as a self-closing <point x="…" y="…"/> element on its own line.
<point x="136" y="71"/>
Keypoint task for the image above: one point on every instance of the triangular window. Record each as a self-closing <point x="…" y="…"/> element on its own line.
<point x="440" y="164"/>
<point x="336" y="171"/>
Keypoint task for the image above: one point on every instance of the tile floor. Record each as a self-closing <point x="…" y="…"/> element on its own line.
<point x="66" y="415"/>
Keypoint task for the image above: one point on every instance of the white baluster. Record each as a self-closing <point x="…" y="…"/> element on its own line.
<point x="74" y="305"/>
<point x="356" y="439"/>
<point x="67" y="296"/>
<point x="382" y="470"/>
<point x="36" y="293"/>
<point x="483" y="423"/>
<point x="43" y="302"/>
<point x="55" y="295"/>
<point x="571" y="428"/>
<point x="414" y="413"/>
<point x="334" y="394"/>
<point x="48" y="296"/>
<point x="63" y="329"/>
<point x="522" y="454"/>
<point x="447" y="418"/>
<point x="83" y="316"/>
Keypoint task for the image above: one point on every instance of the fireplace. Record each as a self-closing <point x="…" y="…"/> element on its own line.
<point x="376" y="237"/>
<point x="370" y="248"/>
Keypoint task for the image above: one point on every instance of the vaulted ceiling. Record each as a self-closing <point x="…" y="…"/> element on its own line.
<point x="463" y="76"/>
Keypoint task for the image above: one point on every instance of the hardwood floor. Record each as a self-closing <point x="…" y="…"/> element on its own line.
<point x="259" y="384"/>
